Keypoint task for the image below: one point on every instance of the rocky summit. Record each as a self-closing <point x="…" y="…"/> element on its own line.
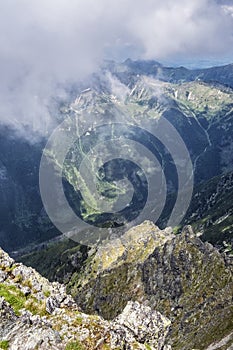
<point x="38" y="314"/>
<point x="186" y="280"/>
<point x="147" y="289"/>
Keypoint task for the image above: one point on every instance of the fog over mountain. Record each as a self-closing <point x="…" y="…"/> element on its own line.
<point x="47" y="45"/>
<point x="116" y="174"/>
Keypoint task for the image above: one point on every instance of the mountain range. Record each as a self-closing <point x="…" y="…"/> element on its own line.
<point x="148" y="286"/>
<point x="198" y="103"/>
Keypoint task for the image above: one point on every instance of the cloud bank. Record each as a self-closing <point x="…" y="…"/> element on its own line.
<point x="47" y="44"/>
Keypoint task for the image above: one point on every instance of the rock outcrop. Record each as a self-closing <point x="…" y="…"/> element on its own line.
<point x="140" y="323"/>
<point x="148" y="289"/>
<point x="38" y="314"/>
<point x="186" y="280"/>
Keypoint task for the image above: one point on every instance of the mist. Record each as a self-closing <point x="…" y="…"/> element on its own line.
<point x="48" y="45"/>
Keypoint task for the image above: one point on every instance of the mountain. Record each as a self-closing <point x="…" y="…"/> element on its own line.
<point x="37" y="314"/>
<point x="222" y="74"/>
<point x="200" y="112"/>
<point x="146" y="287"/>
<point x="198" y="103"/>
<point x="187" y="280"/>
<point x="209" y="214"/>
<point x="22" y="216"/>
<point x="179" y="276"/>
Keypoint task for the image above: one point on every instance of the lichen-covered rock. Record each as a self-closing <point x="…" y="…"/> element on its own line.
<point x="134" y="246"/>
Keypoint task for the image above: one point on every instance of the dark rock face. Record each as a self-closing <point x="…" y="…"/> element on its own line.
<point x="23" y="219"/>
<point x="210" y="211"/>
<point x="190" y="281"/>
<point x="183" y="278"/>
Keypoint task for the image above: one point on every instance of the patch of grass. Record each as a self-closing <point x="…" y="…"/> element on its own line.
<point x="7" y="268"/>
<point x="13" y="296"/>
<point x="147" y="347"/>
<point x="47" y="293"/>
<point x="78" y="321"/>
<point x="4" y="344"/>
<point x="74" y="345"/>
<point x="36" y="307"/>
<point x="18" y="300"/>
<point x="18" y="278"/>
<point x="27" y="283"/>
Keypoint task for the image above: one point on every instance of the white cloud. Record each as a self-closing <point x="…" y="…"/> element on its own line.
<point x="118" y="89"/>
<point x="198" y="28"/>
<point x="48" y="42"/>
<point x="228" y="9"/>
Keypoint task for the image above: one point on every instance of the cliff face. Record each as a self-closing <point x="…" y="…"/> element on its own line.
<point x="187" y="280"/>
<point x="37" y="314"/>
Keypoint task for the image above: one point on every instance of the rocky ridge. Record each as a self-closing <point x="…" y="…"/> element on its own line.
<point x="148" y="289"/>
<point x="38" y="314"/>
<point x="188" y="281"/>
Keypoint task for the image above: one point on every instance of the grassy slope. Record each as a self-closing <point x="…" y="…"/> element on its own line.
<point x="58" y="261"/>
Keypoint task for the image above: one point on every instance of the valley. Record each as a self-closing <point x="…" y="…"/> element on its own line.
<point x="114" y="282"/>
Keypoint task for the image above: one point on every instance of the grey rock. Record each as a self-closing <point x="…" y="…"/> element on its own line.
<point x="35" y="338"/>
<point x="182" y="277"/>
<point x="26" y="291"/>
<point x="5" y="260"/>
<point x="139" y="323"/>
<point x="6" y="311"/>
<point x="27" y="331"/>
<point x="51" y="304"/>
<point x="3" y="276"/>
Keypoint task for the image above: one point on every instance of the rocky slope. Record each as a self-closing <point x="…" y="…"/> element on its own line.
<point x="210" y="212"/>
<point x="37" y="314"/>
<point x="58" y="260"/>
<point x="187" y="280"/>
<point x="131" y="282"/>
